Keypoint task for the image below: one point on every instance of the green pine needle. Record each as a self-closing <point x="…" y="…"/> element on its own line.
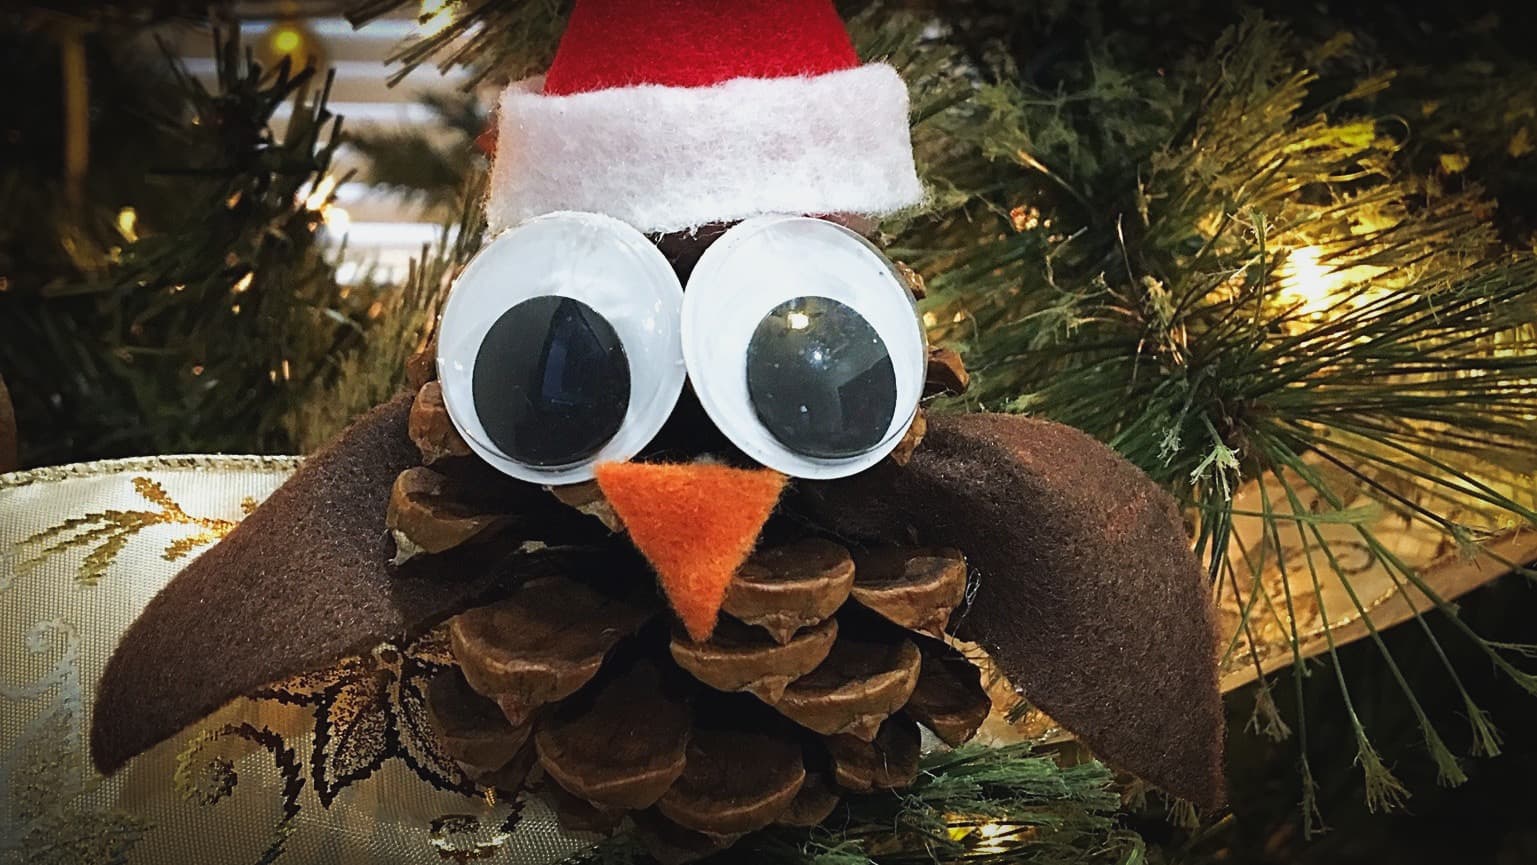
<point x="1384" y="792"/>
<point x="972" y="806"/>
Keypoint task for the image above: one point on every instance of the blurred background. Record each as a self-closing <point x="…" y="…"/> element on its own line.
<point x="1283" y="255"/>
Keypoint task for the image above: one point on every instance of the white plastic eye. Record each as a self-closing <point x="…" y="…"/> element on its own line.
<point x="804" y="345"/>
<point x="559" y="347"/>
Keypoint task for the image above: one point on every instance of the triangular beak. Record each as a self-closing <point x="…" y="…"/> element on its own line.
<point x="696" y="524"/>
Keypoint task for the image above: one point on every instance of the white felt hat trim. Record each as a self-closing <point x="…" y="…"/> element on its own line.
<point x="667" y="159"/>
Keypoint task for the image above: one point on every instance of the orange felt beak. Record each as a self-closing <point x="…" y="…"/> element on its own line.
<point x="696" y="524"/>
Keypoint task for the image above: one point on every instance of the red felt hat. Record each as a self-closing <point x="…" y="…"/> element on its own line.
<point x="696" y="43"/>
<point x="672" y="114"/>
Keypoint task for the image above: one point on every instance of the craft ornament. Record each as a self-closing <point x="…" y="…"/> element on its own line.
<point x="735" y="608"/>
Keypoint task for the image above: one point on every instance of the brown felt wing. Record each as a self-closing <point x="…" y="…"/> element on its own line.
<point x="1088" y="594"/>
<point x="9" y="447"/>
<point x="301" y="583"/>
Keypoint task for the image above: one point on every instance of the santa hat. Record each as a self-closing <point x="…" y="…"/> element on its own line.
<point x="673" y="114"/>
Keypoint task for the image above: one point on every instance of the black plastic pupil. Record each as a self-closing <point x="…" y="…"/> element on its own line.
<point x="821" y="379"/>
<point x="552" y="383"/>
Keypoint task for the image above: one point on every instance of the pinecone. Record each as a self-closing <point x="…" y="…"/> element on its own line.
<point x="813" y="685"/>
<point x="586" y="689"/>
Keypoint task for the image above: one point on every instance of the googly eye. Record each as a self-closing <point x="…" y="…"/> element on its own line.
<point x="804" y="345"/>
<point x="559" y="347"/>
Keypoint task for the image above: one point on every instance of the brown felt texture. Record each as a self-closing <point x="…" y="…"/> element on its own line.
<point x="302" y="582"/>
<point x="1087" y="592"/>
<point x="9" y="439"/>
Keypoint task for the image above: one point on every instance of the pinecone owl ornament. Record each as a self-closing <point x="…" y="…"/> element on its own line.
<point x="667" y="483"/>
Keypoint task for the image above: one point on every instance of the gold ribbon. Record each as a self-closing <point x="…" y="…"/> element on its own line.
<point x="331" y="768"/>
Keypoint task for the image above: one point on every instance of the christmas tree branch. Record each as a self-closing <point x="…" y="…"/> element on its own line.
<point x="402" y="322"/>
<point x="1272" y="290"/>
<point x="206" y="320"/>
<point x="973" y="806"/>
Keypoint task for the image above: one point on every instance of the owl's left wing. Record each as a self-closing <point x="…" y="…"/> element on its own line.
<point x="303" y="582"/>
<point x="1087" y="593"/>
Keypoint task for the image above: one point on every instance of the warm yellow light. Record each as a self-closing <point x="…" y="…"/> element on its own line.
<point x="321" y="201"/>
<point x="799" y="321"/>
<point x="1307" y="283"/>
<point x="996" y="838"/>
<point x="337" y="219"/>
<point x="1025" y="218"/>
<point x="984" y="837"/>
<point x="128" y="224"/>
<point x="321" y="196"/>
<point x="1310" y="288"/>
<point x="244" y="284"/>
<point x="290" y="40"/>
<point x="287" y="39"/>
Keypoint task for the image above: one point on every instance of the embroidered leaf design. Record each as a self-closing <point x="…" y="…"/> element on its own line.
<point x="352" y="734"/>
<point x="419" y="745"/>
<point x="187" y="546"/>
<point x="213" y="780"/>
<point x="432" y="649"/>
<point x="372" y="709"/>
<point x="106" y="533"/>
